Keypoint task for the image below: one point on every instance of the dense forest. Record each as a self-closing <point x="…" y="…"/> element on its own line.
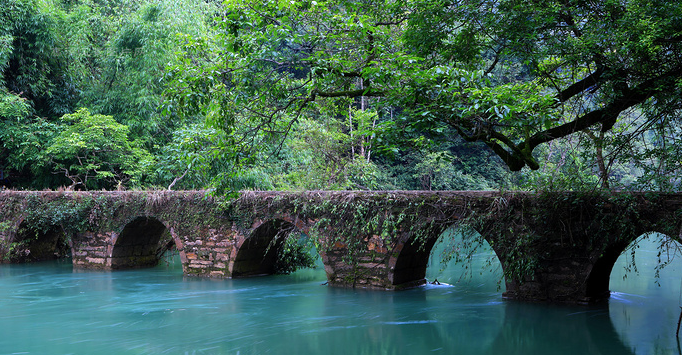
<point x="295" y="95"/>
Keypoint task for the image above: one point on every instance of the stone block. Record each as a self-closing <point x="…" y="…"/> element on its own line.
<point x="201" y="262"/>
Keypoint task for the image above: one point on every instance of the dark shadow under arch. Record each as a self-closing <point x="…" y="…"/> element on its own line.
<point x="30" y="244"/>
<point x="258" y="253"/>
<point x="412" y="262"/>
<point x="410" y="265"/>
<point x="597" y="287"/>
<point x="138" y="244"/>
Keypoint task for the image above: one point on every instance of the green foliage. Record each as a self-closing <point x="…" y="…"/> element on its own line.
<point x="23" y="138"/>
<point x="188" y="159"/>
<point x="123" y="60"/>
<point x="511" y="74"/>
<point x="195" y="159"/>
<point x="295" y="254"/>
<point x="567" y="167"/>
<point x="95" y="151"/>
<point x="13" y="107"/>
<point x="33" y="59"/>
<point x="322" y="155"/>
<point x="629" y="157"/>
<point x="108" y="57"/>
<point x="436" y="172"/>
<point x="344" y="95"/>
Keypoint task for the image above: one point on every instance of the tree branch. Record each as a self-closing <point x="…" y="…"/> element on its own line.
<point x="580" y="86"/>
<point x="346" y="93"/>
<point x="605" y="116"/>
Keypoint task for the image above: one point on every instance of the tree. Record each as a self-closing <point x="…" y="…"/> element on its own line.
<point x="512" y="74"/>
<point x="33" y="58"/>
<point x="192" y="159"/>
<point x="588" y="62"/>
<point x="122" y="58"/>
<point x="22" y="140"/>
<point x="93" y="151"/>
<point x="325" y="153"/>
<point x="107" y="56"/>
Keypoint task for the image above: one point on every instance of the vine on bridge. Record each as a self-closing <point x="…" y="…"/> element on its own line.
<point x="356" y="222"/>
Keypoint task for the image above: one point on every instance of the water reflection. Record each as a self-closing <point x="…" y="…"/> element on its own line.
<point x="547" y="329"/>
<point x="517" y="327"/>
<point x="49" y="308"/>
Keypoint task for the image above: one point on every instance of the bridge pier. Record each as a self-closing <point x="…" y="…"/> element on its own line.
<point x="393" y="264"/>
<point x="557" y="279"/>
<point x="92" y="250"/>
<point x="363" y="266"/>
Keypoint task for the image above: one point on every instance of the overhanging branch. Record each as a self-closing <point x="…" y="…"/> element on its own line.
<point x="580" y="86"/>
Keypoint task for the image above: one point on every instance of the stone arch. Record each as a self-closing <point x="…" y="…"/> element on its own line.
<point x="408" y="269"/>
<point x="598" y="281"/>
<point x="257" y="254"/>
<point x="138" y="244"/>
<point x="33" y="244"/>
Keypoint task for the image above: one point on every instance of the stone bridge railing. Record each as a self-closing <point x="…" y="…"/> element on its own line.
<point x="556" y="247"/>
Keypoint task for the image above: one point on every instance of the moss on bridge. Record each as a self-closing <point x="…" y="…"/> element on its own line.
<point x="29" y="216"/>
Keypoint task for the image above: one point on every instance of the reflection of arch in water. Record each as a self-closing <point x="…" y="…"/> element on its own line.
<point x="258" y="253"/>
<point x="30" y="244"/>
<point x="140" y="244"/>
<point x="546" y="329"/>
<point x="410" y="265"/>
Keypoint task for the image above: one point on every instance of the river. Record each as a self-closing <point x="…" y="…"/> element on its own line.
<point x="49" y="308"/>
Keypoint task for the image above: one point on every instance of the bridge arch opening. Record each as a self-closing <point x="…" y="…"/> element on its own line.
<point x="140" y="244"/>
<point x="34" y="244"/>
<point x="650" y="254"/>
<point x="645" y="288"/>
<point x="272" y="248"/>
<point x="455" y="255"/>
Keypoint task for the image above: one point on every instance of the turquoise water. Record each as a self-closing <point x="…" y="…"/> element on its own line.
<point x="49" y="308"/>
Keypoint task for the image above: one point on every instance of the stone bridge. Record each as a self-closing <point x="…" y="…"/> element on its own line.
<point x="556" y="247"/>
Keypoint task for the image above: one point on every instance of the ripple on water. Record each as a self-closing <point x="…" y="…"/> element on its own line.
<point x="158" y="312"/>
